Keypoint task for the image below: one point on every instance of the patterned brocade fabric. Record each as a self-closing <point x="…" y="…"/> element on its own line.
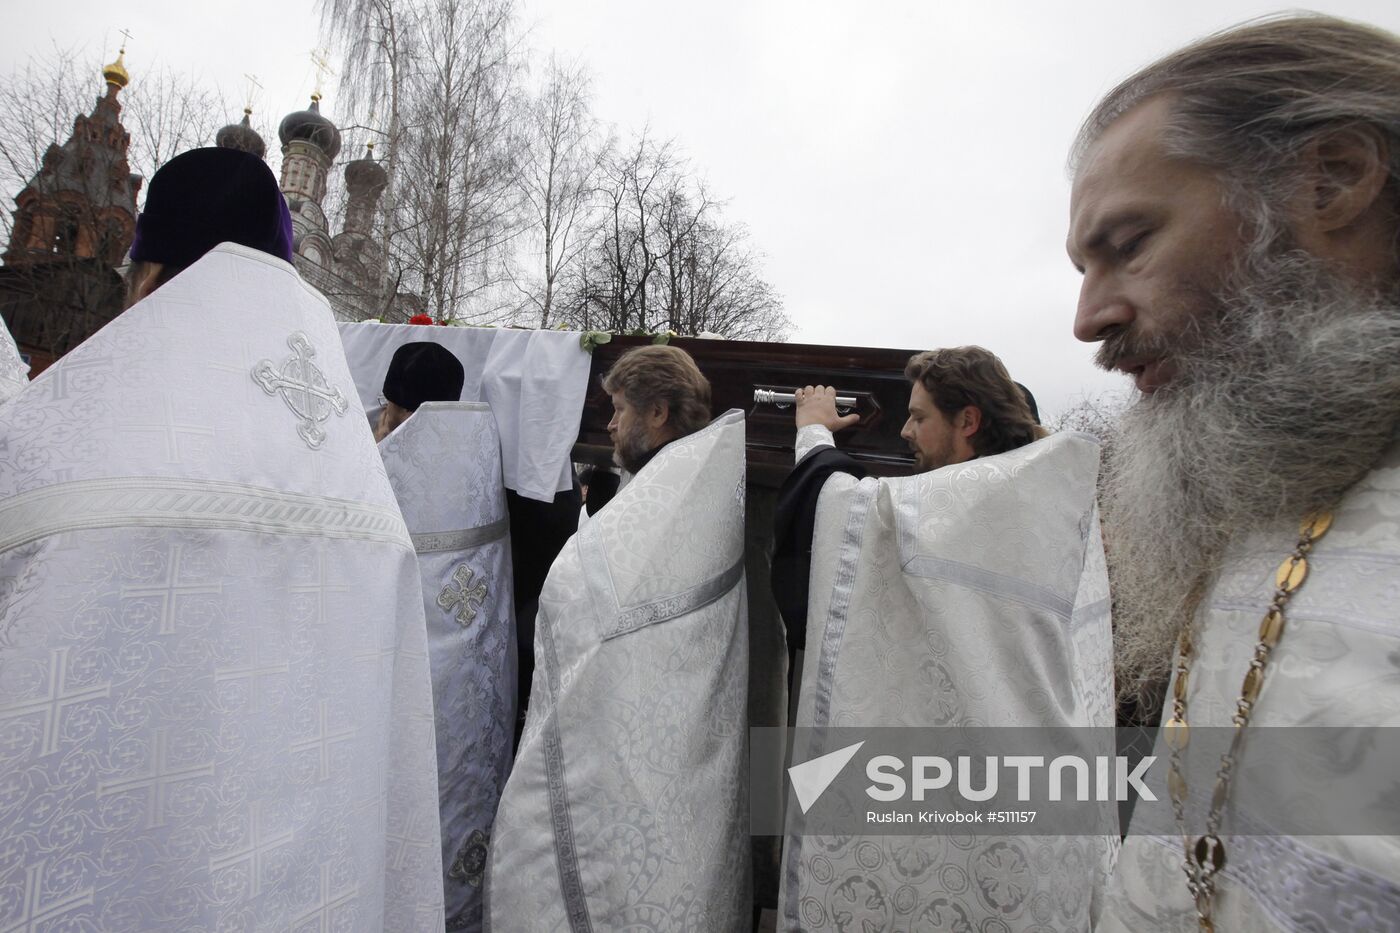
<point x="971" y="596"/>
<point x="628" y="804"/>
<point x="1335" y="666"/>
<point x="14" y="371"/>
<point x="214" y="702"/>
<point x="444" y="464"/>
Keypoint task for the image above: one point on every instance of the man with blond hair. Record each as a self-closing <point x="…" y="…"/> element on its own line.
<point x="1235" y="213"/>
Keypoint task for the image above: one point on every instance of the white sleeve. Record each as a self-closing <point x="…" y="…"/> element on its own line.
<point x="811" y="437"/>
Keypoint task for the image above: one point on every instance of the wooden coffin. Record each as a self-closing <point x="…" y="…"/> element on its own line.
<point x="735" y="368"/>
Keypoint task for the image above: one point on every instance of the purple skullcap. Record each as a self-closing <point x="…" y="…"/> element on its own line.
<point x="204" y="197"/>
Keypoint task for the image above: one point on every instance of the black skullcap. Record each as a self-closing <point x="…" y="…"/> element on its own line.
<point x="423" y="372"/>
<point x="202" y="198"/>
<point x="1030" y="402"/>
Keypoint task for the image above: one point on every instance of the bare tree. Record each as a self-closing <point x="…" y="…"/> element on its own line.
<point x="1091" y="414"/>
<point x="561" y="158"/>
<point x="167" y="112"/>
<point x="456" y="221"/>
<point x="661" y="257"/>
<point x="446" y="72"/>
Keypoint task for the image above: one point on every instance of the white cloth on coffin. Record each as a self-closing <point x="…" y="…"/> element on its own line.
<point x="534" y="381"/>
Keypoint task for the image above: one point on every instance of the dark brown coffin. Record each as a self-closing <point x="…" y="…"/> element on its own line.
<point x="735" y="368"/>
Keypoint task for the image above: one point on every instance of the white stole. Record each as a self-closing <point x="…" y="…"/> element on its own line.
<point x="627" y="807"/>
<point x="970" y="596"/>
<point x="1335" y="666"/>
<point x="14" y="371"/>
<point x="214" y="696"/>
<point x="444" y="463"/>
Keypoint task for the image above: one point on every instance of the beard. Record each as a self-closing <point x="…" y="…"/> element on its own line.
<point x="1287" y="391"/>
<point x="924" y="461"/>
<point x="631" y="449"/>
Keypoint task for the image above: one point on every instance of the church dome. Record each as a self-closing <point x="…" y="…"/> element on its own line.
<point x="366" y="174"/>
<point x="310" y="126"/>
<point x="116" y="74"/>
<point x="241" y="136"/>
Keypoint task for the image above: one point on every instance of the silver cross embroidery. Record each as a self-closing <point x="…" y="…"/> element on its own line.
<point x="303" y="387"/>
<point x="463" y="596"/>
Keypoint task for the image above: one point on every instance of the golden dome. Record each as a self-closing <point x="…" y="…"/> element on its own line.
<point x="116" y="73"/>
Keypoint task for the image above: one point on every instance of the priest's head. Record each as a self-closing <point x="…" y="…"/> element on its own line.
<point x="418" y="372"/>
<point x="196" y="201"/>
<point x="658" y="394"/>
<point x="1234" y="215"/>
<point x="963" y="404"/>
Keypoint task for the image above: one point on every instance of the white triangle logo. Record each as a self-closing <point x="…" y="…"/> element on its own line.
<point x="811" y="778"/>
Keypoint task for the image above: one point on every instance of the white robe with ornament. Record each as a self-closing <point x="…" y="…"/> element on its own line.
<point x="444" y="464"/>
<point x="971" y="596"/>
<point x="1337" y="665"/>
<point x="215" y="709"/>
<point x="627" y="808"/>
<point x="14" y="371"/>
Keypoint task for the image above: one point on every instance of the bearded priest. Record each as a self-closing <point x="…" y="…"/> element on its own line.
<point x="627" y="807"/>
<point x="1234" y="214"/>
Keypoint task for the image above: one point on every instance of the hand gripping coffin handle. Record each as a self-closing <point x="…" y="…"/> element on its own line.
<point x="782" y="399"/>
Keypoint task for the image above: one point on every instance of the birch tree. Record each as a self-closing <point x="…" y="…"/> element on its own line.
<point x="557" y="181"/>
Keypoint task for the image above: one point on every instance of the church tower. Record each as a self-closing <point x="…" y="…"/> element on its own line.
<point x="82" y="202"/>
<point x="73" y="224"/>
<point x="356" y="254"/>
<point x="310" y="143"/>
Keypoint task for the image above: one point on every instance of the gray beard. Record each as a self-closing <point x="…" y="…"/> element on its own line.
<point x="1285" y="396"/>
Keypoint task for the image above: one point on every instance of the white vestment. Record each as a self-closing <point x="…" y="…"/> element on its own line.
<point x="971" y="596"/>
<point x="627" y="808"/>
<point x="1335" y="666"/>
<point x="14" y="371"/>
<point x="444" y="463"/>
<point x="215" y="710"/>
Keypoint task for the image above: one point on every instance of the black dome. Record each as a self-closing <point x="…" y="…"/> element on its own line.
<point x="241" y="136"/>
<point x="366" y="174"/>
<point x="310" y="126"/>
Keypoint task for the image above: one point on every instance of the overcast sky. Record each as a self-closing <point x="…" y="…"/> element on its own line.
<point x="899" y="164"/>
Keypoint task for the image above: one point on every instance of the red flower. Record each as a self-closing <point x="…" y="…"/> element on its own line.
<point x="442" y="323"/>
<point x="421" y="319"/>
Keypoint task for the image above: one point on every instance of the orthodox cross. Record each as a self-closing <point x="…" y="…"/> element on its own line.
<point x="126" y="37"/>
<point x="323" y="69"/>
<point x="254" y="86"/>
<point x="463" y="596"/>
